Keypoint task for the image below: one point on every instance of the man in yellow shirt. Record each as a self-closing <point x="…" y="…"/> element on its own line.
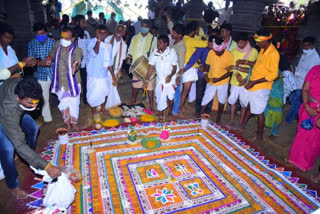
<point x="191" y="74"/>
<point x="264" y="72"/>
<point x="218" y="77"/>
<point x="243" y="51"/>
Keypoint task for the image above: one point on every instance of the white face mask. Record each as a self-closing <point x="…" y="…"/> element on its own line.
<point x="307" y="51"/>
<point x="26" y="109"/>
<point x="65" y="43"/>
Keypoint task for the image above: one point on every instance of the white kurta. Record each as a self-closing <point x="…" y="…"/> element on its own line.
<point x="164" y="63"/>
<point x="98" y="83"/>
<point x="118" y="57"/>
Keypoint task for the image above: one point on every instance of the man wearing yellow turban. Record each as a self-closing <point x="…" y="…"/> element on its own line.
<point x="264" y="72"/>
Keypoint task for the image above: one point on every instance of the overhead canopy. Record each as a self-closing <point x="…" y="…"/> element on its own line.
<point x="84" y="6"/>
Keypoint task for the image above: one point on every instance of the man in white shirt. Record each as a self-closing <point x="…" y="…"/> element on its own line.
<point x="137" y="25"/>
<point x="119" y="50"/>
<point x="164" y="60"/>
<point x="83" y="40"/>
<point x="8" y="57"/>
<point x="112" y="24"/>
<point x="98" y="67"/>
<point x="309" y="59"/>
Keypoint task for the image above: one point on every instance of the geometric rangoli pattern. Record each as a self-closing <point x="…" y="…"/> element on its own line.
<point x="195" y="171"/>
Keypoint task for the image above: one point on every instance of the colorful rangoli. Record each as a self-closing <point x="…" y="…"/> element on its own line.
<point x="195" y="171"/>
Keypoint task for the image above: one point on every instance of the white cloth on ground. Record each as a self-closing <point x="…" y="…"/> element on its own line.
<point x="235" y="92"/>
<point x="289" y="84"/>
<point x="163" y="63"/>
<point x="193" y="93"/>
<point x="190" y="75"/>
<point x="210" y="92"/>
<point x="73" y="103"/>
<point x="258" y="100"/>
<point x="97" y="90"/>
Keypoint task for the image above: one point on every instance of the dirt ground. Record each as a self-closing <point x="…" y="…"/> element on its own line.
<point x="277" y="148"/>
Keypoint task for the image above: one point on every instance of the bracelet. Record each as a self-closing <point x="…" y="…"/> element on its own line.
<point x="21" y="65"/>
<point x="49" y="164"/>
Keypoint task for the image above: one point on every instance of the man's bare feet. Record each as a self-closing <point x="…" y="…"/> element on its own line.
<point x="75" y="127"/>
<point x="196" y="115"/>
<point x="170" y="116"/>
<point x="315" y="178"/>
<point x="181" y="115"/>
<point x="46" y="124"/>
<point x="230" y="125"/>
<point x="256" y="140"/>
<point x="103" y="110"/>
<point x="239" y="129"/>
<point x="186" y="110"/>
<point x="68" y="127"/>
<point x="19" y="193"/>
<point x="272" y="137"/>
<point x="132" y="103"/>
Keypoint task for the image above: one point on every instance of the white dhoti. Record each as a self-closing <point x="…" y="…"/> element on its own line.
<point x="210" y="92"/>
<point x="192" y="93"/>
<point x="190" y="75"/>
<point x="69" y="105"/>
<point x="163" y="92"/>
<point x="235" y="92"/>
<point x="97" y="90"/>
<point x="113" y="98"/>
<point x="258" y="100"/>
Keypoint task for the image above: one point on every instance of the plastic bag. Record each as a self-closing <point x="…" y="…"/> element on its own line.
<point x="61" y="193"/>
<point x="307" y="124"/>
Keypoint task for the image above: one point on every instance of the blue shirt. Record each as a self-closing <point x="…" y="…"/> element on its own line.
<point x="97" y="64"/>
<point x="37" y="49"/>
<point x="200" y="53"/>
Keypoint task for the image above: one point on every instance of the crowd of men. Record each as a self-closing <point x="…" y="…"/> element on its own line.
<point x="89" y="57"/>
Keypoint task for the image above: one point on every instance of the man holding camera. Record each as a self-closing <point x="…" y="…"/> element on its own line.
<point x="39" y="48"/>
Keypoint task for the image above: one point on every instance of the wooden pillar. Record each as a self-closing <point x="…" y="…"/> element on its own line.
<point x="21" y="15"/>
<point x="247" y="15"/>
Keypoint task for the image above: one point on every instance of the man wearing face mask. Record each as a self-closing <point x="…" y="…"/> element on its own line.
<point x="39" y="49"/>
<point x="66" y="80"/>
<point x="309" y="59"/>
<point x="18" y="131"/>
<point x="142" y="44"/>
<point x="119" y="50"/>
